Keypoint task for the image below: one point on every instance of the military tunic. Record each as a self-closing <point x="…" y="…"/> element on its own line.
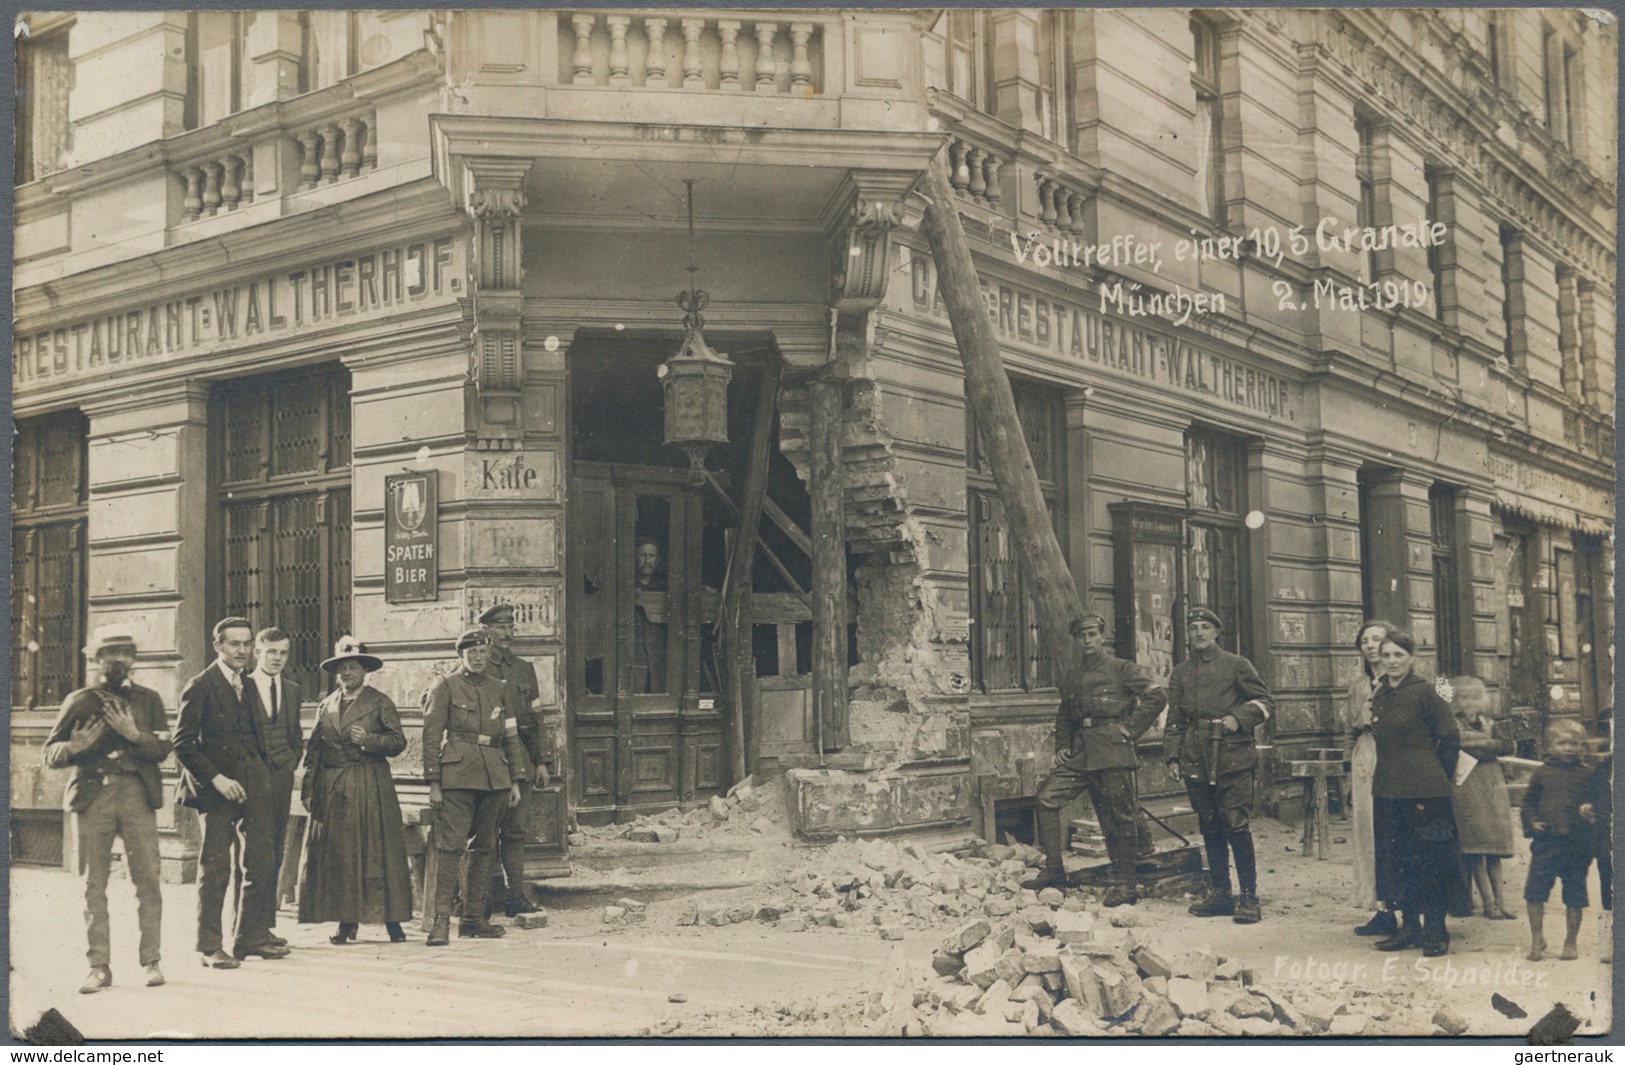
<point x="471" y="749"/>
<point x="1206" y="687"/>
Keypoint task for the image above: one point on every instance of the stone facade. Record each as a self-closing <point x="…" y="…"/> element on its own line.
<point x="477" y="214"/>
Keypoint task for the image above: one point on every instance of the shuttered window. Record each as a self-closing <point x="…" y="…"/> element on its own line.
<point x="284" y="495"/>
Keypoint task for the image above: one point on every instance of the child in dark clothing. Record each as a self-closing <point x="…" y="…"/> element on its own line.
<point x="1561" y="839"/>
<point x="1597" y="807"/>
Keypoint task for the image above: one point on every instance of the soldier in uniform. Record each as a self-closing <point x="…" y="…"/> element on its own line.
<point x="1111" y="704"/>
<point x="473" y="762"/>
<point x="1215" y="700"/>
<point x="114" y="734"/>
<point x="520" y="676"/>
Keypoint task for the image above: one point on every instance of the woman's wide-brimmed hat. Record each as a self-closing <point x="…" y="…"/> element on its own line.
<point x="350" y="649"/>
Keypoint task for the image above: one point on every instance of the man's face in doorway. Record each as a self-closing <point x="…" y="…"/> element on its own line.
<point x="648" y="560"/>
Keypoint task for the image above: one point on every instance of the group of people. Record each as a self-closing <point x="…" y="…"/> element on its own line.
<point x="239" y="741"/>
<point x="1432" y="816"/>
<point x="1215" y="699"/>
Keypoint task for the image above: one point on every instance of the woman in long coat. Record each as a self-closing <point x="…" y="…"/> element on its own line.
<point x="356" y="868"/>
<point x="1362" y="748"/>
<point x="1417" y="744"/>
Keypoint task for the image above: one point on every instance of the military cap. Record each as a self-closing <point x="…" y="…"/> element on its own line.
<point x="1082" y="621"/>
<point x="501" y="614"/>
<point x="1202" y="613"/>
<point x="109" y="638"/>
<point x="471" y="638"/>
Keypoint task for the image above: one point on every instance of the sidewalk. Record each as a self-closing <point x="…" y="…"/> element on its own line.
<point x="571" y="979"/>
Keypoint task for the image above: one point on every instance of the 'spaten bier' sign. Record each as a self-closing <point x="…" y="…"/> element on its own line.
<point x="1082" y="334"/>
<point x="355" y="286"/>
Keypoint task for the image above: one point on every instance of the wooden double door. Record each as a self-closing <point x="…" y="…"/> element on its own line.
<point x="646" y="718"/>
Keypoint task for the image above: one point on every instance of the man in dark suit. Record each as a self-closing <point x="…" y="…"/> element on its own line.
<point x="225" y="779"/>
<point x="275" y="702"/>
<point x="114" y="733"/>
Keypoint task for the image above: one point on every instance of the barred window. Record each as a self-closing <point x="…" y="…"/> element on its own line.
<point x="49" y="515"/>
<point x="284" y="496"/>
<point x="1006" y="655"/>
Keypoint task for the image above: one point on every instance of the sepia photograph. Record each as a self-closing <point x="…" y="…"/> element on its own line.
<point x="810" y="523"/>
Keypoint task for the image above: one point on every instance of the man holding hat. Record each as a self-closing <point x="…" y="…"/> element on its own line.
<point x="1110" y="703"/>
<point x="114" y="734"/>
<point x="520" y="676"/>
<point x="473" y="762"/>
<point x="1215" y="700"/>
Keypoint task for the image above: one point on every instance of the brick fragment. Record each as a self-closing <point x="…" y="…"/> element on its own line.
<point x="1252" y="1006"/>
<point x="1449" y="1021"/>
<point x="891" y="931"/>
<point x="1154" y="1017"/>
<point x="613" y="913"/>
<point x="631" y="905"/>
<point x="1229" y="969"/>
<point x="966" y="937"/>
<point x="1188" y="996"/>
<point x="531" y="920"/>
<point x="1151" y="963"/>
<point x="1346" y="1024"/>
<point x="1200" y="965"/>
<point x="1052" y="897"/>
<point x="994" y="999"/>
<point x="1257" y="1026"/>
<point x="1045" y="959"/>
<point x="1069" y="1017"/>
<point x="981" y="965"/>
<point x="1009" y="967"/>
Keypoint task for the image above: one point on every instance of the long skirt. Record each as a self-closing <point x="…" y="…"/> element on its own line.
<point x="356" y="868"/>
<point x="1363" y="770"/>
<point x="1417" y="855"/>
<point x="1483" y="812"/>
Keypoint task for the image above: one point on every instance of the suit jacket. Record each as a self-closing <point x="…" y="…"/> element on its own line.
<point x="214" y="734"/>
<point x="288" y="718"/>
<point x="112" y="753"/>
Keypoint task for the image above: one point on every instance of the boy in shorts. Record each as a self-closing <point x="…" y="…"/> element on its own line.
<point x="1560" y="844"/>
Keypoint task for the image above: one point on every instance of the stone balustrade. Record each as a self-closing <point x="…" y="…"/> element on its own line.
<point x="1060" y="207"/>
<point x="738" y="51"/>
<point x="974" y="173"/>
<point x="326" y="150"/>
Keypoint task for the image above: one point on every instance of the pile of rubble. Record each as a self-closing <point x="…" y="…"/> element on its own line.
<point x="887" y="886"/>
<point x="749" y="809"/>
<point x="1062" y="966"/>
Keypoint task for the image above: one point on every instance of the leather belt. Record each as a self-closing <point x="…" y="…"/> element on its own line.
<point x="1091" y="722"/>
<point x="474" y="737"/>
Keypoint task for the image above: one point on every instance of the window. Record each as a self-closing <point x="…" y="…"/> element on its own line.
<point x="970" y="57"/>
<point x="1216" y="493"/>
<point x="330" y="43"/>
<point x="1568" y="330"/>
<point x="1573" y="122"/>
<point x="1515" y="343"/>
<point x="284" y="495"/>
<point x="49" y="529"/>
<point x="1521" y="645"/>
<point x="1209" y="128"/>
<point x="1492" y="46"/>
<point x="1441" y="257"/>
<point x="1005" y="652"/>
<point x="1561" y="88"/>
<point x="216" y="65"/>
<point x="1054" y="75"/>
<point x="44" y="78"/>
<point x="1446" y="579"/>
<point x="1365" y="172"/>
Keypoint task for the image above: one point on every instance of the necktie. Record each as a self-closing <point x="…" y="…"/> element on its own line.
<point x="237" y="685"/>
<point x="273" y="700"/>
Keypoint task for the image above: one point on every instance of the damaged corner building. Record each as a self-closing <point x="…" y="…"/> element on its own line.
<point x="364" y="322"/>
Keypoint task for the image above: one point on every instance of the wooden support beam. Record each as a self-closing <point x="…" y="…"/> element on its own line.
<point x="774" y="512"/>
<point x="736" y="620"/>
<point x="768" y="508"/>
<point x="827" y="488"/>
<point x="987" y="389"/>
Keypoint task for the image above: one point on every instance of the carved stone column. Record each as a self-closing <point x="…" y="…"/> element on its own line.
<point x="496" y="199"/>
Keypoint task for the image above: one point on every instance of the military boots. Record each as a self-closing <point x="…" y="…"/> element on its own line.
<point x="1218" y="902"/>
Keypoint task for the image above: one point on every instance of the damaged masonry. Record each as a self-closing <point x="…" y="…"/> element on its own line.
<point x="362" y="324"/>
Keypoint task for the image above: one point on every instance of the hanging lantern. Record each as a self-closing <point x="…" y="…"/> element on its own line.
<point x="695" y="379"/>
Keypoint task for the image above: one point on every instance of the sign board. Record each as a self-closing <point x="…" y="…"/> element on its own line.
<point x="411" y="551"/>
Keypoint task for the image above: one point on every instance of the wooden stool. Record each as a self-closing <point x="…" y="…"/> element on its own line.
<point x="1317" y="777"/>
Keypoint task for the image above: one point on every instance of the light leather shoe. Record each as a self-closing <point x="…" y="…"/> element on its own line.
<point x="218" y="959"/>
<point x="155" y="975"/>
<point x="100" y="976"/>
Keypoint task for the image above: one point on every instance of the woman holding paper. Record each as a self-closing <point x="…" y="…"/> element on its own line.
<point x="1483" y="811"/>
<point x="1362" y="752"/>
<point x="1417" y="745"/>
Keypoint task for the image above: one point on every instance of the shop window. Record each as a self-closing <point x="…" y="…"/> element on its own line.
<point x="49" y="519"/>
<point x="1446" y="579"/>
<point x="1209" y="122"/>
<point x="1005" y="652"/>
<point x="1515" y="341"/>
<point x="44" y="79"/>
<point x="1521" y="644"/>
<point x="284" y="497"/>
<point x="1216" y="495"/>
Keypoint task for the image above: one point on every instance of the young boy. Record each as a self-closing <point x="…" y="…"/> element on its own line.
<point x="1561" y="839"/>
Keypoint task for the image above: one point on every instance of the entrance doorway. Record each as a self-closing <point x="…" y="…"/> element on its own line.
<point x="650" y="720"/>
